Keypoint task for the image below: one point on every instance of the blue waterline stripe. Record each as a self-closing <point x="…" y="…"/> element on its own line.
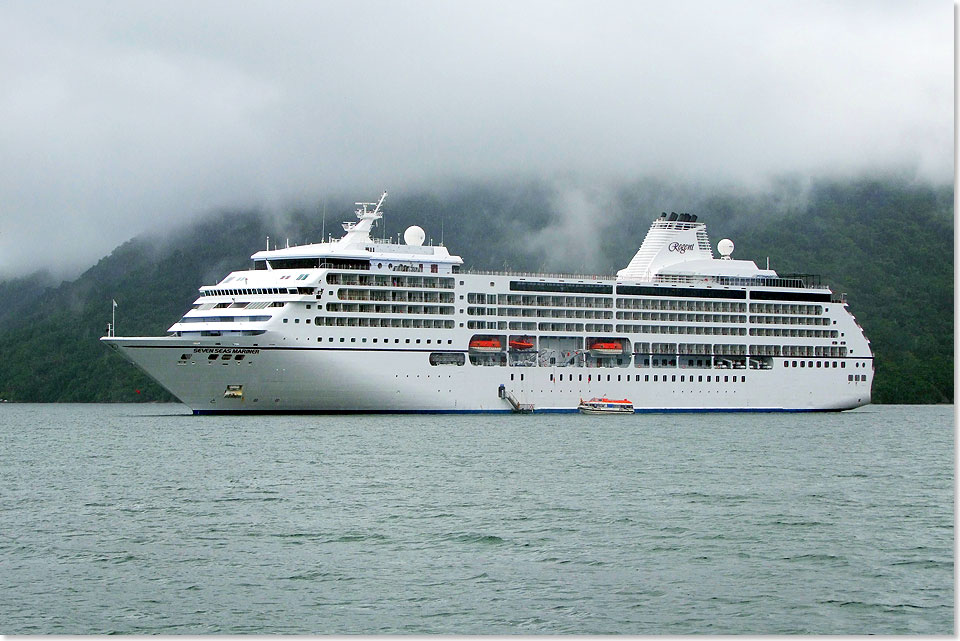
<point x="717" y="410"/>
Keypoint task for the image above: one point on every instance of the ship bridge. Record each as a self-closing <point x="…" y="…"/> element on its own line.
<point x="358" y="250"/>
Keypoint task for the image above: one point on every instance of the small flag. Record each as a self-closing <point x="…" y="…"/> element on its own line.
<point x="114" y="304"/>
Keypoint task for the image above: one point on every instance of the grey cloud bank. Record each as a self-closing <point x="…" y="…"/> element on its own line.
<point x="117" y="117"/>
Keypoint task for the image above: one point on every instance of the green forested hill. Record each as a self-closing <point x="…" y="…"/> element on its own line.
<point x="885" y="242"/>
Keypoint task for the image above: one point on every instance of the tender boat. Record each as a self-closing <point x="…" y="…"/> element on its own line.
<point x="521" y="343"/>
<point x="605" y="405"/>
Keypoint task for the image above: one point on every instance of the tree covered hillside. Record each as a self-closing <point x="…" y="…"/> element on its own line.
<point x="887" y="243"/>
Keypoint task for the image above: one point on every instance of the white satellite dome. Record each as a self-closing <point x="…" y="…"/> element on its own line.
<point x="725" y="247"/>
<point x="414" y="235"/>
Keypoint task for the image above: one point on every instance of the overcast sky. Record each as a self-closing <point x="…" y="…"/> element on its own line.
<point x="119" y="117"/>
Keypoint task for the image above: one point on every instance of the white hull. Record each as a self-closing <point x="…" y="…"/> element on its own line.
<point x="360" y="325"/>
<point x="368" y="380"/>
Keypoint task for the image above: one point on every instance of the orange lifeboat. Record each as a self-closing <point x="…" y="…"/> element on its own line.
<point x="521" y="343"/>
<point x="612" y="347"/>
<point x="485" y="345"/>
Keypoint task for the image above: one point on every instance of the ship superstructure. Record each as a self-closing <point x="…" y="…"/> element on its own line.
<point x="360" y="324"/>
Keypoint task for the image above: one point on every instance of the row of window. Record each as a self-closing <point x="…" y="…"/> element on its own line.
<point x="262" y="304"/>
<point x="789" y="320"/>
<point x="681" y="305"/>
<point x="386" y="341"/>
<point x="682" y="329"/>
<point x="224" y="319"/>
<point x="686" y="318"/>
<point x="376" y="308"/>
<point x="680" y="292"/>
<point x="657" y="378"/>
<point x="810" y="364"/>
<point x="533" y="300"/>
<point x="799" y="333"/>
<point x="540" y="286"/>
<point x="781" y="308"/>
<point x="247" y="291"/>
<point x="538" y="313"/>
<point x="343" y="321"/>
<point x="390" y="280"/>
<point x="396" y="295"/>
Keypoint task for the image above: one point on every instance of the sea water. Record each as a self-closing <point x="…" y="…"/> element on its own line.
<point x="140" y="519"/>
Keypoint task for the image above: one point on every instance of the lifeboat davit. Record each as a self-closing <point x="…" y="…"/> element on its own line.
<point x="613" y="347"/>
<point x="521" y="343"/>
<point x="485" y="345"/>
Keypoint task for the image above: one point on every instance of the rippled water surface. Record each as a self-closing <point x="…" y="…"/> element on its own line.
<point x="144" y="519"/>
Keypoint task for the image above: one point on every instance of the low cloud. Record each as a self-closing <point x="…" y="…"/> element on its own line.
<point x="118" y="117"/>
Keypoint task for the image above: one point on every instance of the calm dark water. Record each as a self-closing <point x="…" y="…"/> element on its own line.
<point x="143" y="519"/>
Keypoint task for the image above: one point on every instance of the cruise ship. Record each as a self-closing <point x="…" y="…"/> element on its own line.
<point x="364" y="324"/>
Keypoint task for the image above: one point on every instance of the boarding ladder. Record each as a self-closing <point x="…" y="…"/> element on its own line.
<point x="521" y="408"/>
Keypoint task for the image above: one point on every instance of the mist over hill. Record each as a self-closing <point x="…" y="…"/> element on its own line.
<point x="885" y="241"/>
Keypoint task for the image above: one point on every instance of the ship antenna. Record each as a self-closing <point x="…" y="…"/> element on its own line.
<point x="323" y="220"/>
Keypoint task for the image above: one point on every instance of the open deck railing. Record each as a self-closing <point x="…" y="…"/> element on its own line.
<point x="542" y="275"/>
<point x="800" y="281"/>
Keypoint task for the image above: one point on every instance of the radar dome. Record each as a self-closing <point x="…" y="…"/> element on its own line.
<point x="725" y="247"/>
<point x="414" y="235"/>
